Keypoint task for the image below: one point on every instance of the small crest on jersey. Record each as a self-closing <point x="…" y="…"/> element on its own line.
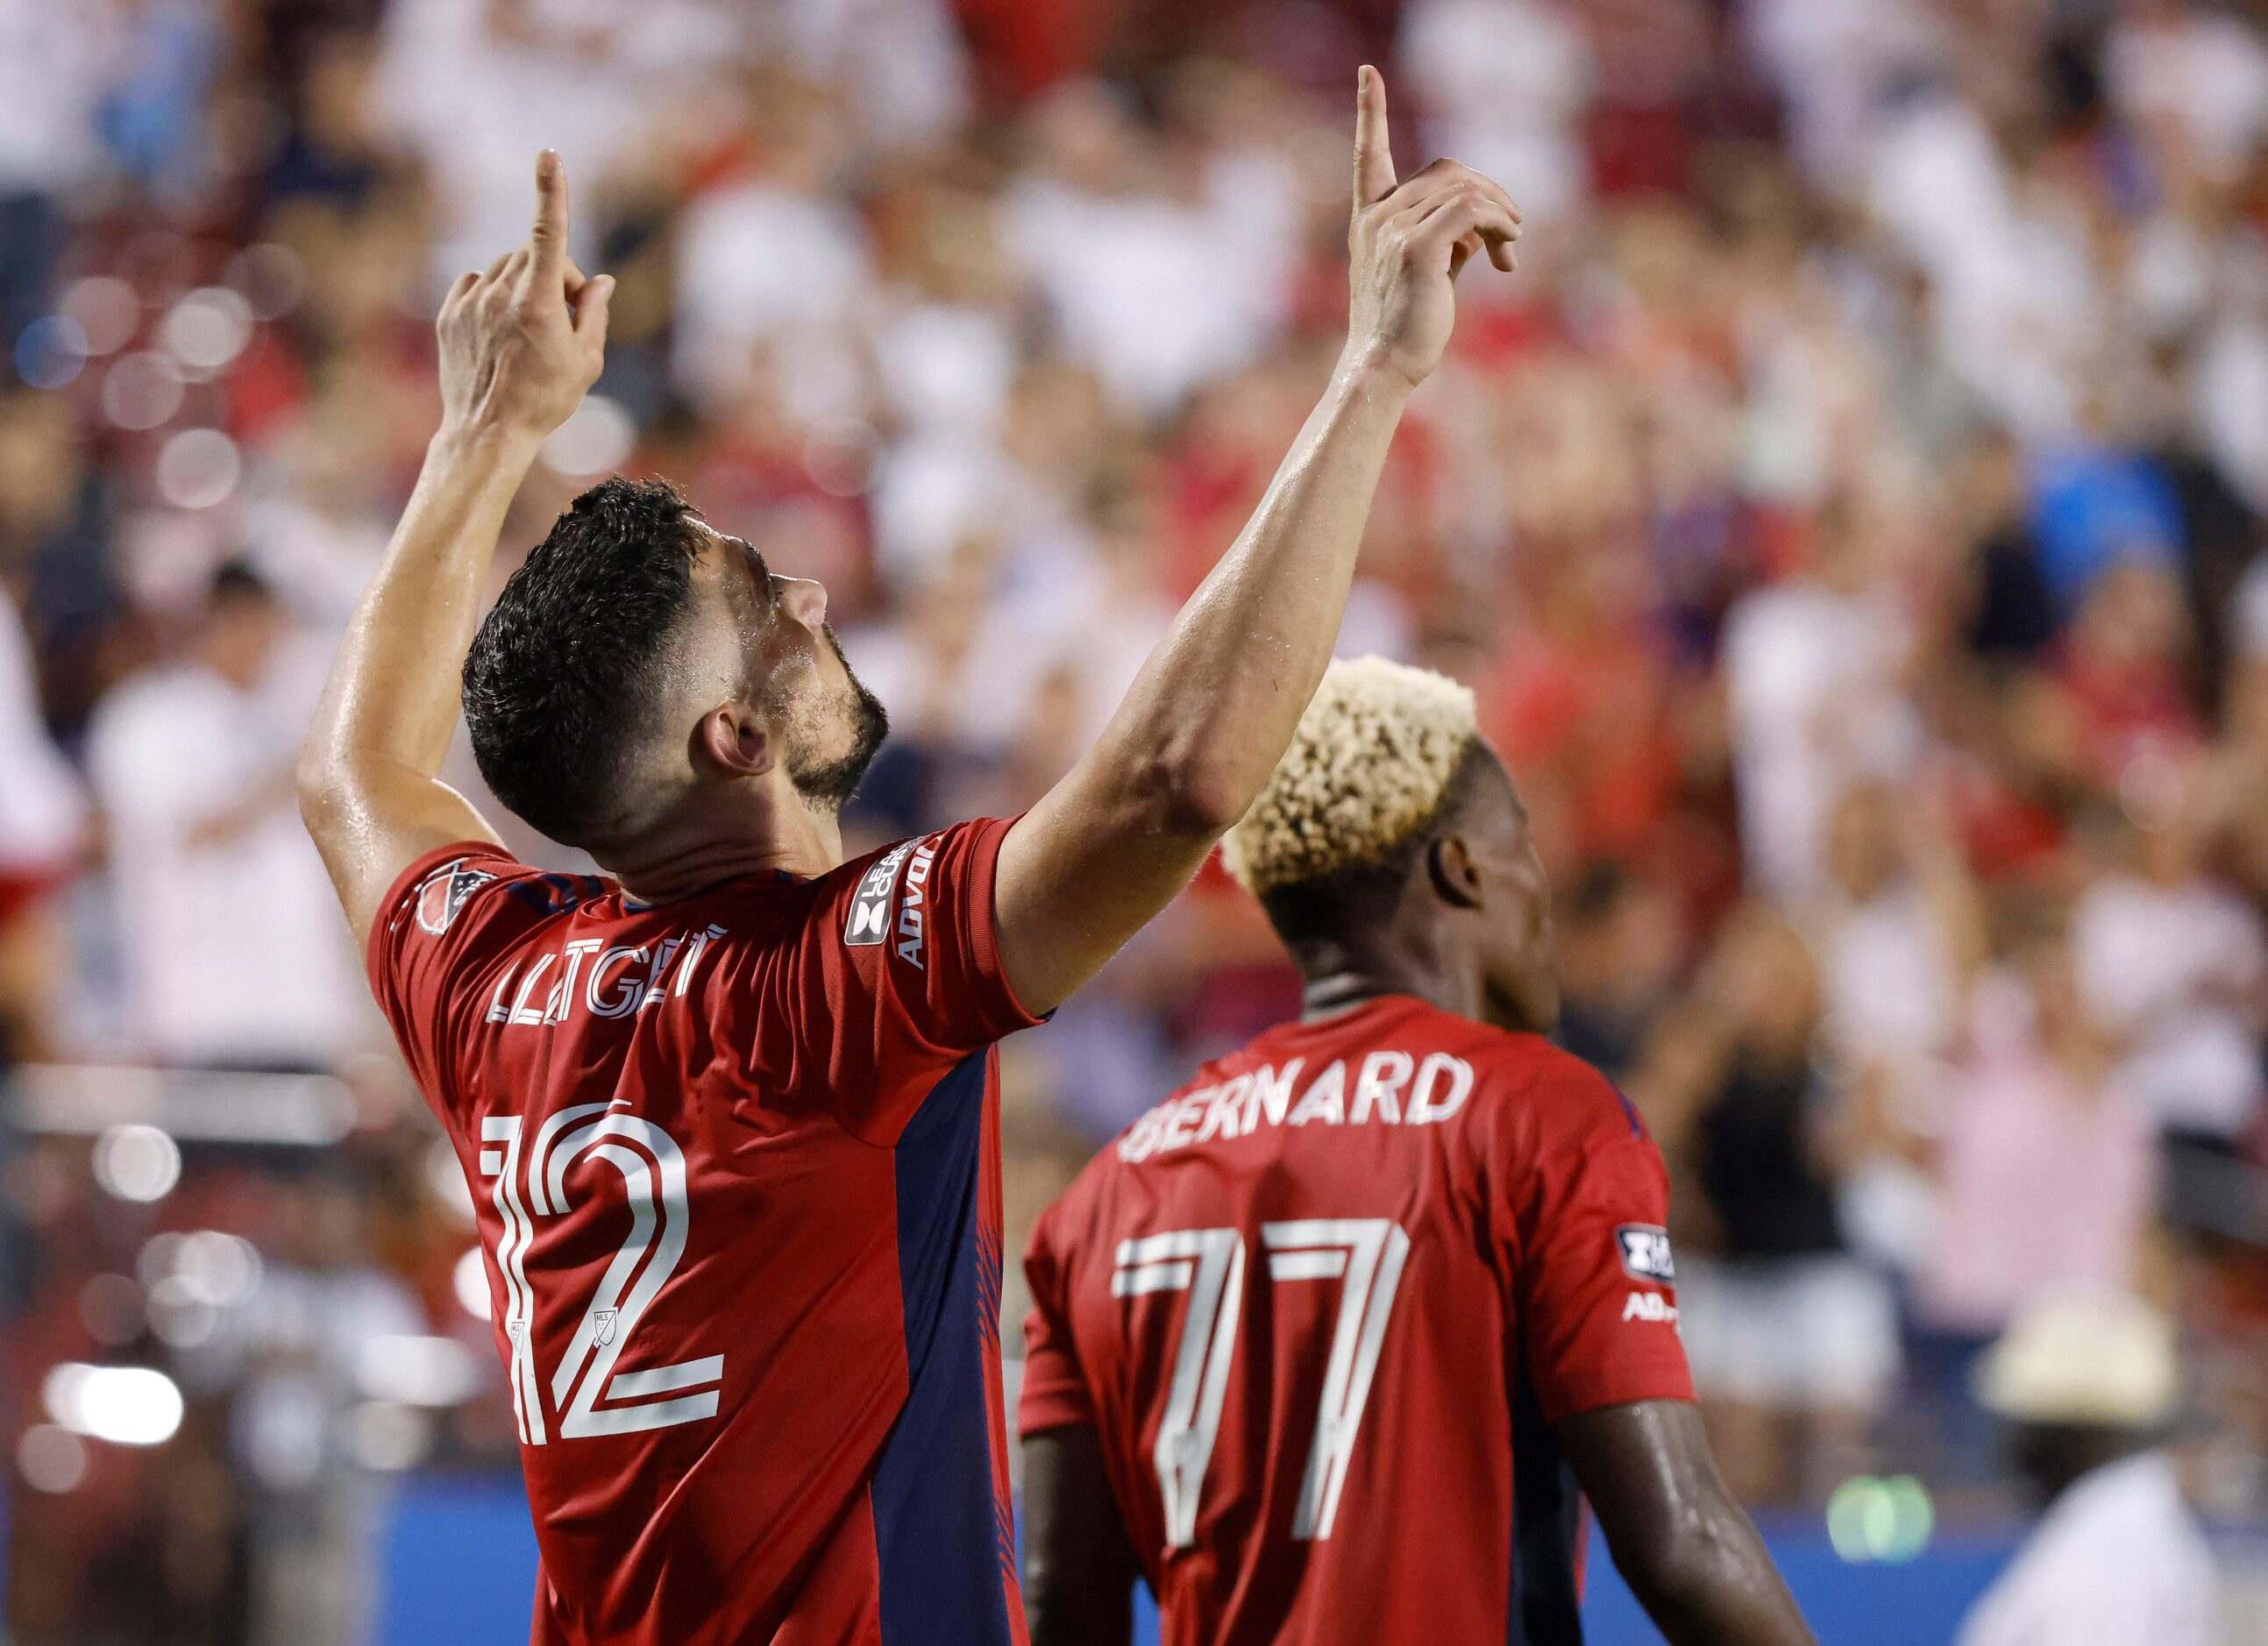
<point x="869" y="920"/>
<point x="1646" y="1251"/>
<point x="602" y="1321"/>
<point x="445" y="893"/>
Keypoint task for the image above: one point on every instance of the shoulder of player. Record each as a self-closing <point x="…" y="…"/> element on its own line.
<point x="762" y="907"/>
<point x="1547" y="1088"/>
<point x="437" y="890"/>
<point x="882" y="897"/>
<point x="1082" y="1199"/>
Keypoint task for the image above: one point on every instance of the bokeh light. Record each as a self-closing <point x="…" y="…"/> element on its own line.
<point x="128" y="1405"/>
<point x="142" y="390"/>
<point x="51" y="351"/>
<point x="106" y="309"/>
<point x="470" y="1278"/>
<point x="1872" y="1518"/>
<point x="208" y="328"/>
<point x="595" y="440"/>
<point x="138" y="1163"/>
<point x="198" y="468"/>
<point x="51" y="1458"/>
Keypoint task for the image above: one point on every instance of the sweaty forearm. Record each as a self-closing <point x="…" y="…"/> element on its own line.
<point x="1715" y="1586"/>
<point x="1216" y="703"/>
<point x="1687" y="1550"/>
<point x="391" y="699"/>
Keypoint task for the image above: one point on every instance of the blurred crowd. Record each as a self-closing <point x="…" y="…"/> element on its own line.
<point x="1850" y="515"/>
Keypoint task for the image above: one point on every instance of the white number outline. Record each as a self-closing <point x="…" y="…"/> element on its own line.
<point x="1366" y="1253"/>
<point x="1209" y="1265"/>
<point x="654" y="1179"/>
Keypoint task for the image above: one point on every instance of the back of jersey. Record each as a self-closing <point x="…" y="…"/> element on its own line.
<point x="1322" y="1306"/>
<point x="735" y="1162"/>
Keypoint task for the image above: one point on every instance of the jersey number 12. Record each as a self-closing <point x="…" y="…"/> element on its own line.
<point x="1366" y="1252"/>
<point x="653" y="1176"/>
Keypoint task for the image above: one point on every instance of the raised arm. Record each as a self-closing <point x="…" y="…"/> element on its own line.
<point x="1214" y="708"/>
<point x="519" y="346"/>
<point x="1687" y="1550"/>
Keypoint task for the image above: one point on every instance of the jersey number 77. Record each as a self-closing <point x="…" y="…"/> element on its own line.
<point x="1366" y="1253"/>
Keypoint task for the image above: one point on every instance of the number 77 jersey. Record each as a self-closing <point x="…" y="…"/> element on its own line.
<point x="1322" y="1306"/>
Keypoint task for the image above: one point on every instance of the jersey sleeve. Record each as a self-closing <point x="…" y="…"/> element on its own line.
<point x="447" y="921"/>
<point x="903" y="958"/>
<point x="1593" y="1283"/>
<point x="1055" y="1393"/>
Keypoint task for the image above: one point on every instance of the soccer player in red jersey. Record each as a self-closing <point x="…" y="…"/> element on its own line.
<point x="728" y="1114"/>
<point x="1326" y="1343"/>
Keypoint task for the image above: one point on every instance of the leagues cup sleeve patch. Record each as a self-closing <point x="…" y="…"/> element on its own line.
<point x="869" y="919"/>
<point x="1646" y="1252"/>
<point x="445" y="893"/>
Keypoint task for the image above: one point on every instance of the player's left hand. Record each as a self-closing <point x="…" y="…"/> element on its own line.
<point x="522" y="342"/>
<point x="1407" y="240"/>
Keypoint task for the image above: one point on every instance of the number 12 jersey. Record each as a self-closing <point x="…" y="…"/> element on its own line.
<point x="1322" y="1306"/>
<point x="736" y="1163"/>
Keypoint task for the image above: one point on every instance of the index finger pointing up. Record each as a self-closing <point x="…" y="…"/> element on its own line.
<point x="549" y="239"/>
<point x="1374" y="157"/>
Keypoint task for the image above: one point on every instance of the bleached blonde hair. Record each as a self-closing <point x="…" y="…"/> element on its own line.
<point x="1367" y="769"/>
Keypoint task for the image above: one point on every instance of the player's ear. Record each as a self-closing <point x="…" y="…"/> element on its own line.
<point x="732" y="739"/>
<point x="1456" y="878"/>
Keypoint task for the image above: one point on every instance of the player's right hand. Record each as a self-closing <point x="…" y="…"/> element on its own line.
<point x="1407" y="240"/>
<point x="522" y="342"/>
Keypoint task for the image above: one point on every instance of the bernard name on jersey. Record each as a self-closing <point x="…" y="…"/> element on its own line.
<point x="1388" y="1088"/>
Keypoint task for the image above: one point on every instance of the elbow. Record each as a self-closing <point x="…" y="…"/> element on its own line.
<point x="322" y="780"/>
<point x="1194" y="799"/>
<point x="1681" y="1572"/>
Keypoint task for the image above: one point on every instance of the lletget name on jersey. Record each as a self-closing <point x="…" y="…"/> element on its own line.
<point x="1388" y="1088"/>
<point x="605" y="979"/>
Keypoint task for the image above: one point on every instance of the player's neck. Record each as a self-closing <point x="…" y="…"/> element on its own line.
<point x="686" y="855"/>
<point x="1342" y="975"/>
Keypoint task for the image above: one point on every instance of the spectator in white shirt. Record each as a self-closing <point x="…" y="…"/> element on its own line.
<point x="2173" y="961"/>
<point x="2090" y="1382"/>
<point x="776" y="257"/>
<point x="1505" y="83"/>
<point x="233" y="950"/>
<point x="1899" y="932"/>
<point x="1158" y="275"/>
<point x="1815" y="667"/>
<point x="2192" y="77"/>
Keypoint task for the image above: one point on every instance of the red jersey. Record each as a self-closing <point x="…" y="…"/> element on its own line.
<point x="736" y="1160"/>
<point x="1323" y="1305"/>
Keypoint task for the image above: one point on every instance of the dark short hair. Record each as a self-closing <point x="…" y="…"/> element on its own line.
<point x="1366" y="895"/>
<point x="567" y="671"/>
